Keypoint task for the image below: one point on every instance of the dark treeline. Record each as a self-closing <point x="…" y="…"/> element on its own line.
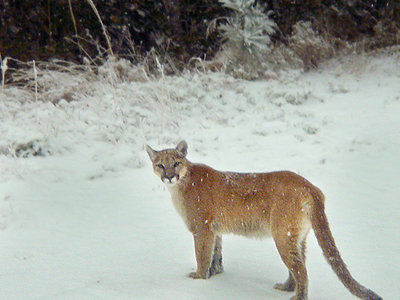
<point x="42" y="29"/>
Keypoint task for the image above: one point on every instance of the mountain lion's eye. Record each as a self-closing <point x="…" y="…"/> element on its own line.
<point x="161" y="166"/>
<point x="176" y="164"/>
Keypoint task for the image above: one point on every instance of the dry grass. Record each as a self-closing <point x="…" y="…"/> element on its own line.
<point x="102" y="26"/>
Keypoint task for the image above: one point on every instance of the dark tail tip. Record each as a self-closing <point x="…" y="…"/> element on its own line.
<point x="371" y="295"/>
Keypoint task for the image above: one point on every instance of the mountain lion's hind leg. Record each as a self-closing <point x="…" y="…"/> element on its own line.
<point x="290" y="250"/>
<point x="292" y="258"/>
<point x="290" y="285"/>
<point x="216" y="264"/>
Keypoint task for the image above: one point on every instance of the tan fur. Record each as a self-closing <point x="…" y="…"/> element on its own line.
<point x="281" y="204"/>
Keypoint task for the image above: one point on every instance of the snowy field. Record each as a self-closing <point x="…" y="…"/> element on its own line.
<point x="83" y="217"/>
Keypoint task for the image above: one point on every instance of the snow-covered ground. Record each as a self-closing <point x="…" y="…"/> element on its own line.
<point x="87" y="219"/>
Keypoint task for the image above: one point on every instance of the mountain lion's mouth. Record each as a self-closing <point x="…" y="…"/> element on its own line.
<point x="172" y="180"/>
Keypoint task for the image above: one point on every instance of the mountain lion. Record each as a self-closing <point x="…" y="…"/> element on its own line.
<point x="281" y="204"/>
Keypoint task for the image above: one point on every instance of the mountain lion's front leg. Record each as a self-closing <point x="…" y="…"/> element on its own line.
<point x="216" y="263"/>
<point x="204" y="245"/>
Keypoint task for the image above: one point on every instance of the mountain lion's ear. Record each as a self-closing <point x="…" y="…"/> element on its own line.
<point x="152" y="153"/>
<point x="182" y="148"/>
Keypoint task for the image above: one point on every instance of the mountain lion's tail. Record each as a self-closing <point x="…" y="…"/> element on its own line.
<point x="325" y="239"/>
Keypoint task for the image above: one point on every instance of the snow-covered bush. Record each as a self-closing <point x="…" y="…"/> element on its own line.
<point x="247" y="38"/>
<point x="305" y="49"/>
<point x="311" y="48"/>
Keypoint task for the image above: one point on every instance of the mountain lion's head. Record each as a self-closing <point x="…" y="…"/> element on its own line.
<point x="169" y="164"/>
